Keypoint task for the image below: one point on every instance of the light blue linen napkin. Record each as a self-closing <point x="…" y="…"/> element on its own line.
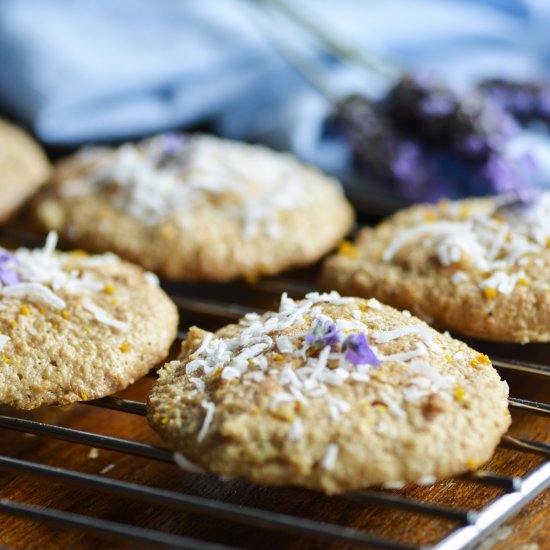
<point x="79" y="71"/>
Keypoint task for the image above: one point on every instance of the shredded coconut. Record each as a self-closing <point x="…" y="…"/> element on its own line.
<point x="200" y="169"/>
<point x="405" y="355"/>
<point x="185" y="464"/>
<point x="208" y="417"/>
<point x="103" y="317"/>
<point x="243" y="358"/>
<point x="284" y="344"/>
<point x="151" y="278"/>
<point x="426" y="480"/>
<point x="459" y="277"/>
<point x="330" y="457"/>
<point x="198" y="383"/>
<point x="381" y="337"/>
<point x="43" y="273"/>
<point x="4" y="339"/>
<point x="495" y="242"/>
<point x="36" y="292"/>
<point x="393" y="485"/>
<point x="374" y="303"/>
<point x="502" y="281"/>
<point x="296" y="430"/>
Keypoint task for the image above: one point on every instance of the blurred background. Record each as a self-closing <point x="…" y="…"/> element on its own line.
<point x="404" y="100"/>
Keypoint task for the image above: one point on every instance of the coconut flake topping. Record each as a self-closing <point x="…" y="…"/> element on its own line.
<point x="172" y="176"/>
<point x="496" y="243"/>
<point x="314" y="360"/>
<point x="40" y="274"/>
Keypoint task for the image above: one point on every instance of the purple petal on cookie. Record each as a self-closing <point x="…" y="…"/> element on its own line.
<point x="8" y="276"/>
<point x="358" y="352"/>
<point x="323" y="332"/>
<point x="172" y="143"/>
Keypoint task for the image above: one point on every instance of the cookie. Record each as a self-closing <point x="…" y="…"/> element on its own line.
<point x="330" y="393"/>
<point x="480" y="267"/>
<point x="75" y="327"/>
<point x="197" y="207"/>
<point x="23" y="168"/>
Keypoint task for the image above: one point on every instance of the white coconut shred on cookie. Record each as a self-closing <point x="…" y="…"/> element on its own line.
<point x="171" y="175"/>
<point x="496" y="243"/>
<point x="39" y="276"/>
<point x="320" y="354"/>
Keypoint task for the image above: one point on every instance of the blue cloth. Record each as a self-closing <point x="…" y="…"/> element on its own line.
<point x="79" y="71"/>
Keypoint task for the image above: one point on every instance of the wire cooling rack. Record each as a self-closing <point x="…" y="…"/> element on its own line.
<point x="214" y="306"/>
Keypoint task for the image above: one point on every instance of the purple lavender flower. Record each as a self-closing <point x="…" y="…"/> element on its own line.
<point x="527" y="101"/>
<point x="510" y="176"/>
<point x="421" y="106"/>
<point x="438" y="106"/>
<point x="323" y="333"/>
<point x="169" y="150"/>
<point x="358" y="352"/>
<point x="172" y="144"/>
<point x="8" y="276"/>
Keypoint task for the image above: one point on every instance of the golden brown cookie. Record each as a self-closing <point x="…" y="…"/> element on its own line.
<point x="75" y="327"/>
<point x="329" y="393"/>
<point x="479" y="266"/>
<point x="23" y="168"/>
<point x="197" y="207"/>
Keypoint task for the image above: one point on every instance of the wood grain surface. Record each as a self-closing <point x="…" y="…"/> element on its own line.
<point x="529" y="530"/>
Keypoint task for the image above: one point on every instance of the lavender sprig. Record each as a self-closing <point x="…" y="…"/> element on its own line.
<point x="428" y="143"/>
<point x="469" y="125"/>
<point x="526" y="101"/>
<point x="381" y="151"/>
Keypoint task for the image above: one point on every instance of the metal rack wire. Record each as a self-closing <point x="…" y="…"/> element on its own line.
<point x="471" y="526"/>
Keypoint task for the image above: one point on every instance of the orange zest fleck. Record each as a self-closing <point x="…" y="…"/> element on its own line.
<point x="463" y="212"/>
<point x="252" y="278"/>
<point x="429" y="216"/>
<point x="347" y="248"/>
<point x="459" y="393"/>
<point x="480" y="359"/>
<point x="167" y="232"/>
<point x="490" y="292"/>
<point x="124" y="347"/>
